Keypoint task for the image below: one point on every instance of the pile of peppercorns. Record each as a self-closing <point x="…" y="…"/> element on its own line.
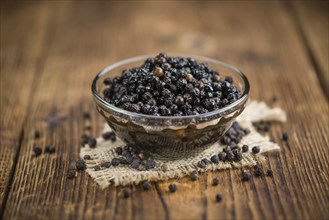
<point x="132" y="156"/>
<point x="170" y="86"/>
<point x="232" y="152"/>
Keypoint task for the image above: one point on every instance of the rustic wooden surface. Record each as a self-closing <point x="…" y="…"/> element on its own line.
<point x="51" y="50"/>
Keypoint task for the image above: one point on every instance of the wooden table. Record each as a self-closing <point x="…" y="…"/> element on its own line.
<point x="51" y="50"/>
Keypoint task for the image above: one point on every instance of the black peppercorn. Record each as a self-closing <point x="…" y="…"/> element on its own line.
<point x="285" y="136"/>
<point x="146" y="186"/>
<point x="149" y="164"/>
<point x="237" y="155"/>
<point x="109" y="135"/>
<point x="115" y="161"/>
<point x="107" y="164"/>
<point x="230" y="156"/>
<point x="118" y="150"/>
<point x="71" y="173"/>
<point x="215" y="182"/>
<point x="172" y="187"/>
<point x="219" y="197"/>
<point x="215" y="159"/>
<point x="84" y="139"/>
<point x="86" y="157"/>
<point x="86" y="115"/>
<point x="256" y="149"/>
<point x="222" y="156"/>
<point x="246" y="175"/>
<point x="80" y="164"/>
<point x="126" y="193"/>
<point x="37" y="151"/>
<point x="269" y="172"/>
<point x="108" y="81"/>
<point x="92" y="142"/>
<point x="37" y="134"/>
<point x="50" y="149"/>
<point x="245" y="148"/>
<point x="258" y="170"/>
<point x="194" y="175"/>
<point x="201" y="164"/>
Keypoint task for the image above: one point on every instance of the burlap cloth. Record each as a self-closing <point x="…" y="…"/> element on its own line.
<point x="123" y="174"/>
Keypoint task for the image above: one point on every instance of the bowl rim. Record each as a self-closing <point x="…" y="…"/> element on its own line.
<point x="226" y="109"/>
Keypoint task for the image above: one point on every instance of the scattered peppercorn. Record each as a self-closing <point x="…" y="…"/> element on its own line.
<point x="205" y="161"/>
<point x="274" y="99"/>
<point x="50" y="149"/>
<point x="149" y="164"/>
<point x="115" y="161"/>
<point x="86" y="115"/>
<point x="71" y="173"/>
<point x="257" y="166"/>
<point x="118" y="150"/>
<point x="107" y="164"/>
<point x="229" y="156"/>
<point x="245" y="148"/>
<point x="237" y="155"/>
<point x="285" y="136"/>
<point x="246" y="175"/>
<point x="37" y="134"/>
<point x="172" y="187"/>
<point x="84" y="139"/>
<point x="222" y="156"/>
<point x="80" y="164"/>
<point x="258" y="170"/>
<point x="219" y="197"/>
<point x="262" y="127"/>
<point x="109" y="135"/>
<point x="86" y="157"/>
<point x="215" y="181"/>
<point x="201" y="164"/>
<point x="37" y="151"/>
<point x="256" y="149"/>
<point x="92" y="142"/>
<point x="194" y="175"/>
<point x="126" y="193"/>
<point x="215" y="159"/>
<point x="269" y="172"/>
<point x="146" y="186"/>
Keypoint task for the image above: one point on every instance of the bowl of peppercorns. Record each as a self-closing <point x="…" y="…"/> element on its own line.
<point x="171" y="106"/>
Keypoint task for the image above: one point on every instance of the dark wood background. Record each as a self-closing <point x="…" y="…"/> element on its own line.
<point x="51" y="50"/>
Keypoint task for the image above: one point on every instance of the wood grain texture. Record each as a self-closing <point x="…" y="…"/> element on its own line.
<point x="77" y="39"/>
<point x="313" y="17"/>
<point x="20" y="64"/>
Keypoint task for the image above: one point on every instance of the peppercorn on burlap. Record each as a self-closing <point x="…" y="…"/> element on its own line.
<point x="123" y="174"/>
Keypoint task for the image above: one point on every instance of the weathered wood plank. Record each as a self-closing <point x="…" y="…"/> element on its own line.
<point x="21" y="30"/>
<point x="259" y="37"/>
<point x="313" y="17"/>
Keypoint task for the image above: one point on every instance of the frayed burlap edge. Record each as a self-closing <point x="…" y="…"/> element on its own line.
<point x="123" y="174"/>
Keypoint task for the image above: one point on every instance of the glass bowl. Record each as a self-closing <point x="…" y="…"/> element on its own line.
<point x="170" y="137"/>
